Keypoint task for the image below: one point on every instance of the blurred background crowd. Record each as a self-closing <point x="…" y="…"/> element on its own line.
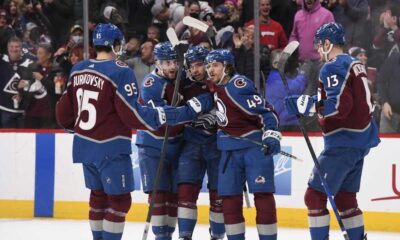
<point x="40" y="40"/>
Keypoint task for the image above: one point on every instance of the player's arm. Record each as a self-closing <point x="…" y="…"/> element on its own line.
<point x="65" y="110"/>
<point x="339" y="98"/>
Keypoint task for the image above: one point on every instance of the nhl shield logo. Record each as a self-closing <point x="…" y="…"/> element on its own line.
<point x="222" y="119"/>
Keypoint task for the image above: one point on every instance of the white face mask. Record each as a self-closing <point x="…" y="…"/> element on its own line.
<point x="77" y="39"/>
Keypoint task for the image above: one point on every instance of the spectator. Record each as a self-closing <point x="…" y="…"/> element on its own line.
<point x="244" y="54"/>
<point x="352" y="14"/>
<point x="14" y="71"/>
<point x="272" y="34"/>
<point x="388" y="92"/>
<point x="144" y="64"/>
<point x="234" y="14"/>
<point x="75" y="39"/>
<point x="40" y="100"/>
<point x="172" y="13"/>
<point x="283" y="12"/>
<point x="35" y="15"/>
<point x="306" y="22"/>
<point x="132" y="48"/>
<point x="387" y="38"/>
<point x="66" y="62"/>
<point x="153" y="32"/>
<point x="14" y="9"/>
<point x="60" y="14"/>
<point x="224" y="29"/>
<point x="6" y="32"/>
<point x="275" y="91"/>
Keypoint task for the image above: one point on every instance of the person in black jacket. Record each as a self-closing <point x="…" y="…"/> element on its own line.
<point x="388" y="92"/>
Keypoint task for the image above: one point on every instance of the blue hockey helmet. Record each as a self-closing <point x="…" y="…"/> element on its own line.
<point x="106" y="34"/>
<point x="196" y="53"/>
<point x="332" y="31"/>
<point x="220" y="55"/>
<point x="164" y="51"/>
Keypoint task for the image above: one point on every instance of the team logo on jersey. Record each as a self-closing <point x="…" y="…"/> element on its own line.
<point x="149" y="82"/>
<point x="12" y="85"/>
<point x="222" y="119"/>
<point x="121" y="63"/>
<point x="240" y="83"/>
<point x="260" y="180"/>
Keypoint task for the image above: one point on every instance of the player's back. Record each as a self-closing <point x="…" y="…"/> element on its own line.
<point x="347" y="113"/>
<point x="94" y="86"/>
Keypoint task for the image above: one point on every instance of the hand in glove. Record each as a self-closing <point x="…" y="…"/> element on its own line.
<point x="301" y="105"/>
<point x="201" y="103"/>
<point x="271" y="139"/>
<point x="205" y="121"/>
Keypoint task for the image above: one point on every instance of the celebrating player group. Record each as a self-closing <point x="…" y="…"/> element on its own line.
<point x="195" y="115"/>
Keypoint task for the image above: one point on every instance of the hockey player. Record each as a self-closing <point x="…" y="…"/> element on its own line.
<point x="100" y="106"/>
<point x="157" y="90"/>
<point x="344" y="108"/>
<point x="241" y="112"/>
<point x="199" y="154"/>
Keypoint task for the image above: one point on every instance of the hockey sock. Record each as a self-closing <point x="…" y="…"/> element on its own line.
<point x="172" y="208"/>
<point x="187" y="209"/>
<point x="318" y="214"/>
<point x="114" y="220"/>
<point x="351" y="215"/>
<point x="217" y="227"/>
<point x="159" y="219"/>
<point x="233" y="217"/>
<point x="266" y="216"/>
<point x="98" y="205"/>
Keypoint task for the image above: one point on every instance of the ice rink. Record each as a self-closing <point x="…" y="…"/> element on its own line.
<point x="45" y="229"/>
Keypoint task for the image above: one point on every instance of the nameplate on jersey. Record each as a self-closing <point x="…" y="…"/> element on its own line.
<point x="88" y="79"/>
<point x="240" y="83"/>
<point x="359" y="68"/>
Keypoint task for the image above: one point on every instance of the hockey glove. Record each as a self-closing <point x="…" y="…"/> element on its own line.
<point x="205" y="121"/>
<point x="271" y="139"/>
<point x="202" y="103"/>
<point x="301" y="105"/>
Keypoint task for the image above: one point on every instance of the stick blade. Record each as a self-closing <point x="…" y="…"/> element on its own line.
<point x="172" y="37"/>
<point x="286" y="53"/>
<point x="195" y="23"/>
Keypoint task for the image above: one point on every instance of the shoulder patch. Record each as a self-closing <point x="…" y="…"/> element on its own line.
<point x="148" y="82"/>
<point x="121" y="63"/>
<point x="240" y="83"/>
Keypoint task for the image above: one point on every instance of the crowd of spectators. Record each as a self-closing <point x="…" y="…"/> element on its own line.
<point x="40" y="40"/>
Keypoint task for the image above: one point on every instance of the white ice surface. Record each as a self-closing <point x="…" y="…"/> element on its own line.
<point x="45" y="229"/>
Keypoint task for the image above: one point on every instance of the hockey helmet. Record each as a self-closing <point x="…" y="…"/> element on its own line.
<point x="196" y="53"/>
<point x="164" y="51"/>
<point x="106" y="34"/>
<point x="332" y="31"/>
<point x="220" y="55"/>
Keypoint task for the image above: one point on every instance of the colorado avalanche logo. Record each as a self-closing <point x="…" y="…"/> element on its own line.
<point x="240" y="83"/>
<point x="121" y="64"/>
<point x="222" y="119"/>
<point x="11" y="86"/>
<point x="149" y="82"/>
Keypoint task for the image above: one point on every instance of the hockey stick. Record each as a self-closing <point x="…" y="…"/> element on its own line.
<point x="287" y="52"/>
<point x="195" y="23"/>
<point x="283" y="153"/>
<point x="180" y="50"/>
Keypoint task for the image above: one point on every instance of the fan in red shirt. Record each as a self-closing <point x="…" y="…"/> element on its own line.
<point x="272" y="33"/>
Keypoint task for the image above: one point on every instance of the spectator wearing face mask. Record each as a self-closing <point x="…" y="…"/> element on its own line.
<point x="75" y="39"/>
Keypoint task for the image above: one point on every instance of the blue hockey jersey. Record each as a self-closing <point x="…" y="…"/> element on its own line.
<point x="157" y="91"/>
